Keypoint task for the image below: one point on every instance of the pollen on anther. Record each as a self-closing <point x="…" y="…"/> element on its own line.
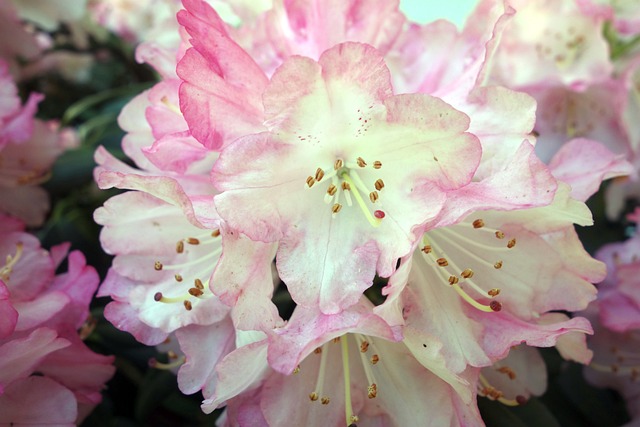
<point x="346" y="186"/>
<point x="157" y="297"/>
<point x="180" y="247"/>
<point x="178" y="278"/>
<point x="493" y="292"/>
<point x="375" y="359"/>
<point x="187" y="305"/>
<point x="332" y="190"/>
<point x="318" y="350"/>
<point x="511" y="243"/>
<point x="313" y="396"/>
<point x="495" y="305"/>
<point x="372" y="391"/>
<point x="364" y="346"/>
<point x="377" y="164"/>
<point x="478" y="223"/>
<point x="360" y="161"/>
<point x="198" y="284"/>
<point x="373" y="196"/>
<point x="215" y="233"/>
<point x="157" y="266"/>
<point x="338" y="164"/>
<point x="379" y="184"/>
<point x="193" y="241"/>
<point x="467" y="273"/>
<point x="319" y="174"/>
<point x="296" y="370"/>
<point x="336" y="208"/>
<point x="195" y="292"/>
<point x="453" y="280"/>
<point x="499" y="234"/>
<point x="426" y="249"/>
<point x="310" y="181"/>
<point x="325" y="400"/>
<point x="442" y="262"/>
<point x="508" y="371"/>
<point x="379" y="214"/>
<point x="497" y="265"/>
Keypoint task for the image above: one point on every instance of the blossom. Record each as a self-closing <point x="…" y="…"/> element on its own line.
<point x="40" y="334"/>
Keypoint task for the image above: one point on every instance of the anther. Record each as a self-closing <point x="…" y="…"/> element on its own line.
<point x="467" y="273"/>
<point x="178" y="278"/>
<point x="426" y="249"/>
<point x="310" y="181"/>
<point x="373" y="196"/>
<point x="511" y="243"/>
<point x="453" y="280"/>
<point x="360" y="161"/>
<point x="377" y="164"/>
<point x="180" y="247"/>
<point x="193" y="241"/>
<point x="372" y="391"/>
<point x="442" y="262"/>
<point x="495" y="305"/>
<point x="325" y="400"/>
<point x="375" y="359"/>
<point x="508" y="371"/>
<point x="379" y="214"/>
<point x="478" y="223"/>
<point x="158" y="266"/>
<point x="379" y="184"/>
<point x="364" y="346"/>
<point x="157" y="297"/>
<point x="319" y="174"/>
<point x="198" y="284"/>
<point x="497" y="265"/>
<point x="332" y="190"/>
<point x="313" y="396"/>
<point x="346" y="186"/>
<point x="336" y="208"/>
<point x="499" y="234"/>
<point x="521" y="399"/>
<point x="318" y="350"/>
<point x="493" y="292"/>
<point x="195" y="292"/>
<point x="187" y="305"/>
<point x="338" y="164"/>
<point x="215" y="233"/>
<point x="296" y="370"/>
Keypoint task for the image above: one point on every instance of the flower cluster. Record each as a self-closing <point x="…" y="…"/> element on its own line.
<point x="393" y="181"/>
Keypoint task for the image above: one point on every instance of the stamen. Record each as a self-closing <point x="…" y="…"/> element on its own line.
<point x="153" y="363"/>
<point x="215" y="233"/>
<point x="364" y="346"/>
<point x="511" y="243"/>
<point x="493" y="292"/>
<point x="499" y="234"/>
<point x="375" y="222"/>
<point x="442" y="262"/>
<point x="350" y="416"/>
<point x="360" y="161"/>
<point x="375" y="359"/>
<point x="336" y="208"/>
<point x="426" y="249"/>
<point x="171" y="106"/>
<point x="497" y="265"/>
<point x="453" y="280"/>
<point x="180" y="247"/>
<point x="373" y="196"/>
<point x="187" y="305"/>
<point x="372" y="391"/>
<point x="467" y="273"/>
<point x="377" y="164"/>
<point x="319" y="174"/>
<point x="332" y="190"/>
<point x="487" y="390"/>
<point x="313" y="396"/>
<point x="493" y="306"/>
<point x="507" y="371"/>
<point x="379" y="184"/>
<point x="195" y="292"/>
<point x="338" y="164"/>
<point x="325" y="400"/>
<point x="157" y="266"/>
<point x="178" y="278"/>
<point x="346" y="190"/>
<point x="193" y="241"/>
<point x="478" y="223"/>
<point x="10" y="262"/>
<point x="198" y="284"/>
<point x="320" y="378"/>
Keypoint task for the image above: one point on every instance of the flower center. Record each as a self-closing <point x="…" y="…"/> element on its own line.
<point x="458" y="277"/>
<point x="10" y="262"/>
<point x="344" y="181"/>
<point x="201" y="265"/>
<point x="369" y="358"/>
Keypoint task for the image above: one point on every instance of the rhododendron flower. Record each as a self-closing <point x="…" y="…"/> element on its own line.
<point x="40" y="333"/>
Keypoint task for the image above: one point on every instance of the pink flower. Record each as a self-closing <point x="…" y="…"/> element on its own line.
<point x="28" y="149"/>
<point x="40" y="334"/>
